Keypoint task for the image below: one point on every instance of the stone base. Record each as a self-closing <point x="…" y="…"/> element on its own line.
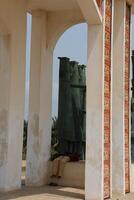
<point x="73" y="175"/>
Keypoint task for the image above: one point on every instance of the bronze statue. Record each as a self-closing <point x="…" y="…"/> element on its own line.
<point x="72" y="106"/>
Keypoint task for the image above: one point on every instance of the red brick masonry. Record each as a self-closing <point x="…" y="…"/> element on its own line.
<point x="127" y="86"/>
<point x="99" y="2"/>
<point x="107" y="97"/>
<point x="100" y="5"/>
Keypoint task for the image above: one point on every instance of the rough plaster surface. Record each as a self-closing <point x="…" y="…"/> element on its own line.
<point x="3" y="136"/>
<point x="94" y="133"/>
<point x="118" y="99"/>
<point x="12" y="87"/>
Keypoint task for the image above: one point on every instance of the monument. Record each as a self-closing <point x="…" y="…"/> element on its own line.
<point x="72" y="108"/>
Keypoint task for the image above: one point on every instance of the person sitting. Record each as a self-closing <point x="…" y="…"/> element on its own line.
<point x="59" y="164"/>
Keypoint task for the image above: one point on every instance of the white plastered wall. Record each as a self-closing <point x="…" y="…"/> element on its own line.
<point x="94" y="132"/>
<point x="38" y="150"/>
<point x="12" y="86"/>
<point x="46" y="30"/>
<point x="118" y="98"/>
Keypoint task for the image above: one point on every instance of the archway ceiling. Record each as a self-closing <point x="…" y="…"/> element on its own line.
<point x="57" y="5"/>
<point x="88" y="8"/>
<point x="52" y="5"/>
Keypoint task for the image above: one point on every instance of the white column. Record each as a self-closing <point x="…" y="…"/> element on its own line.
<point x="118" y="163"/>
<point x="5" y="73"/>
<point x="94" y="131"/>
<point x="39" y="130"/>
<point x="12" y="91"/>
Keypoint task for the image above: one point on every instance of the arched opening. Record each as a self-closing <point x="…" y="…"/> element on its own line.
<point x="75" y="48"/>
<point x="40" y="119"/>
<point x="68" y="108"/>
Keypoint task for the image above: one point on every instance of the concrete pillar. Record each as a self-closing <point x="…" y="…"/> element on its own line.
<point x="12" y="90"/>
<point x="5" y="73"/>
<point x="39" y="129"/>
<point x="118" y="103"/>
<point x="118" y="178"/>
<point x="94" y="182"/>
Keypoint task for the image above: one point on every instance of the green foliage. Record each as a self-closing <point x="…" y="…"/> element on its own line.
<point x="54" y="139"/>
<point x="25" y="139"/>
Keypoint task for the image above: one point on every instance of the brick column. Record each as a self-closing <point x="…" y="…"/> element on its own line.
<point x="100" y="5"/>
<point x="127" y="98"/>
<point x="121" y="100"/>
<point x="107" y="99"/>
<point x="99" y="2"/>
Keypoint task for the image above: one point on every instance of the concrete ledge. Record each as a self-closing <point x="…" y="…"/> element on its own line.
<point x="73" y="175"/>
<point x="90" y="11"/>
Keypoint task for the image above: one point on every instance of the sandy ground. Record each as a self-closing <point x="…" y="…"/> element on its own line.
<point x="51" y="193"/>
<point x="44" y="193"/>
<point x="126" y="197"/>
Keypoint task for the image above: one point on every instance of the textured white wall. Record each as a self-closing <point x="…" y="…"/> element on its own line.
<point x="12" y="66"/>
<point x="118" y="98"/>
<point x="94" y="130"/>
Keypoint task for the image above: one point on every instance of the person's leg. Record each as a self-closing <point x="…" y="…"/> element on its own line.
<point x="64" y="160"/>
<point x="55" y="166"/>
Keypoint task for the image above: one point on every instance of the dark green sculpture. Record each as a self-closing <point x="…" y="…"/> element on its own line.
<point x="71" y="114"/>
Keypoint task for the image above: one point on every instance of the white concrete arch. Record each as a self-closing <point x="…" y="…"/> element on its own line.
<point x="50" y="20"/>
<point x="47" y="27"/>
<point x="46" y="30"/>
<point x="59" y="23"/>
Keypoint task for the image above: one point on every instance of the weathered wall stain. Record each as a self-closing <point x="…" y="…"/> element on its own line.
<point x="36" y="147"/>
<point x="34" y="126"/>
<point x="3" y="136"/>
<point x="93" y="161"/>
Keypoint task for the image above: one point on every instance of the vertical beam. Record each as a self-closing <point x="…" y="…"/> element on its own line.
<point x="98" y="164"/>
<point x="94" y="123"/>
<point x="118" y="98"/>
<point x="108" y="24"/>
<point x="5" y="74"/>
<point x="12" y="87"/>
<point x="39" y="129"/>
<point x="121" y="98"/>
<point x="127" y="98"/>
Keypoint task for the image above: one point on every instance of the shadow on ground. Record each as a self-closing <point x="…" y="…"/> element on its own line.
<point x="43" y="193"/>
